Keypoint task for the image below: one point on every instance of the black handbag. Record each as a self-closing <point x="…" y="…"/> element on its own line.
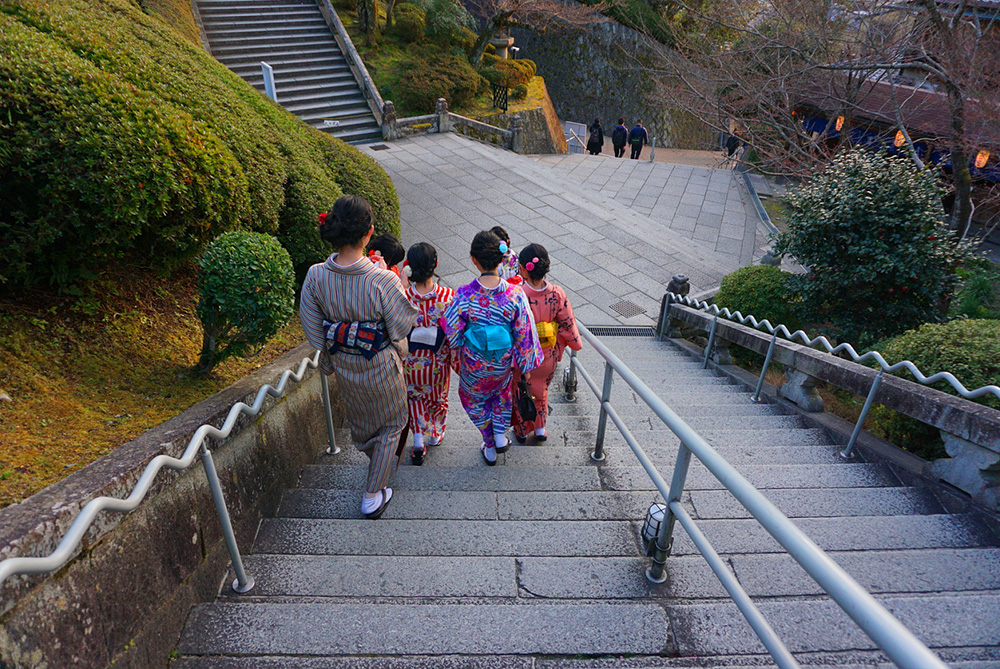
<point x="525" y="402"/>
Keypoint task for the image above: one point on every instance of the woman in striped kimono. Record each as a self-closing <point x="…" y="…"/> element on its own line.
<point x="428" y="366"/>
<point x="490" y="321"/>
<point x="354" y="310"/>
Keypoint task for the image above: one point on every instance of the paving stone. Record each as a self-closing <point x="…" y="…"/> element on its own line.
<point x="405" y="504"/>
<point x="431" y="629"/>
<point x="615" y="578"/>
<point x="295" y="536"/>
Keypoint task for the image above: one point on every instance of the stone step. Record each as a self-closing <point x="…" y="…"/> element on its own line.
<point x="360" y="135"/>
<point x="318" y="54"/>
<point x="823" y="503"/>
<point x="331" y="108"/>
<point x="213" y="8"/>
<point x="222" y="30"/>
<point x="431" y="629"/>
<point x="496" y="538"/>
<point x="298" y="73"/>
<point x="662" y="455"/>
<point x="329" y="85"/>
<point x="255" y="15"/>
<point x="224" y="24"/>
<point x="352" y="477"/>
<point x="820" y="625"/>
<point x="860" y="533"/>
<point x="762" y="477"/>
<point x="279" y="48"/>
<point x="264" y="36"/>
<point x="255" y="3"/>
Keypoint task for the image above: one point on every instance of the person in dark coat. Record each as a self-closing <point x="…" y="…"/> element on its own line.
<point x="596" y="140"/>
<point x="619" y="138"/>
<point x="638" y="138"/>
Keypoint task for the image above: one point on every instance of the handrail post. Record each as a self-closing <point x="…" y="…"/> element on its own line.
<point x="847" y="452"/>
<point x="665" y="537"/>
<point x="569" y="378"/>
<point x="767" y="362"/>
<point x="602" y="421"/>
<point x="711" y="341"/>
<point x="243" y="583"/>
<point x="664" y="316"/>
<point x="332" y="449"/>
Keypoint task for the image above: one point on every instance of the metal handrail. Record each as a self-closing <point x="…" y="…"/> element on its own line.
<point x="804" y="338"/>
<point x="243" y="583"/>
<point x="902" y="647"/>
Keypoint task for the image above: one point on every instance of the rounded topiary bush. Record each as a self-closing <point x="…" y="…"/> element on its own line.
<point x="427" y="76"/>
<point x="969" y="349"/>
<point x="510" y="73"/>
<point x="519" y="92"/>
<point x="761" y="291"/>
<point x="246" y="294"/>
<point x="410" y="22"/>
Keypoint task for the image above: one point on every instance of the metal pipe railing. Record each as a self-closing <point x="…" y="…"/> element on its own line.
<point x="67" y="546"/>
<point x="888" y="633"/>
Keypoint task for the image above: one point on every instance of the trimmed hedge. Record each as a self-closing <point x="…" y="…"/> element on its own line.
<point x="427" y="76"/>
<point x="123" y="139"/>
<point x="969" y="349"/>
<point x="505" y="72"/>
<point x="761" y="291"/>
<point x="410" y="22"/>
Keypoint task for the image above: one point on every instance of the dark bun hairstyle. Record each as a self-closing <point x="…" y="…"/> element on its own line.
<point x="501" y="233"/>
<point x="389" y="247"/>
<point x="538" y="269"/>
<point x="347" y="222"/>
<point x="422" y="259"/>
<point x="486" y="249"/>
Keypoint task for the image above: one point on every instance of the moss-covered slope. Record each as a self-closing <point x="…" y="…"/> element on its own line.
<point x="122" y="139"/>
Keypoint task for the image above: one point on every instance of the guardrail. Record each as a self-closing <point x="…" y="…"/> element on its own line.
<point x="443" y="120"/>
<point x="902" y="647"/>
<point x="743" y="170"/>
<point x="830" y="348"/>
<point x="243" y="583"/>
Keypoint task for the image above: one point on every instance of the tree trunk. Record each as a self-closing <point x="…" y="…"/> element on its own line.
<point x="368" y="18"/>
<point x="962" y="210"/>
<point x="206" y="360"/>
<point x="389" y="6"/>
<point x="493" y="25"/>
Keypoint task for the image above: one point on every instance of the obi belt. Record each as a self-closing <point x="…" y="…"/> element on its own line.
<point x="365" y="338"/>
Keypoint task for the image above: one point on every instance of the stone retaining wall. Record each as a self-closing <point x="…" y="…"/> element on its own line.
<point x="125" y="596"/>
<point x="541" y="131"/>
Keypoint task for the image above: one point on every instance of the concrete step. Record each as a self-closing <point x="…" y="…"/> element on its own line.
<point x="330" y="86"/>
<point x="818" y="625"/>
<point x="496" y="538"/>
<point x="763" y="477"/>
<point x="332" y="108"/>
<point x="352" y="477"/>
<point x="276" y="47"/>
<point x="363" y="135"/>
<point x="432" y="629"/>
<point x="662" y="455"/>
<point x="318" y="54"/>
<point x="223" y="30"/>
<point x="821" y="503"/>
<point x="264" y="36"/>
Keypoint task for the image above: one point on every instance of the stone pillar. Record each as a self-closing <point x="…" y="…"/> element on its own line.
<point x="800" y="388"/>
<point x="444" y="118"/>
<point x="679" y="285"/>
<point x="720" y="353"/>
<point x="516" y="134"/>
<point x="771" y="258"/>
<point x="389" y="129"/>
<point x="501" y="43"/>
<point x="970" y="467"/>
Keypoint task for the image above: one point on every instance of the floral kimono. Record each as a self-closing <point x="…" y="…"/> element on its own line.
<point x="428" y="371"/>
<point x="557" y="330"/>
<point x="492" y="331"/>
<point x="509" y="267"/>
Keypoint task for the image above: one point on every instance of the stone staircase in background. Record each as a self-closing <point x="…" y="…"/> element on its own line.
<point x="536" y="563"/>
<point x="312" y="78"/>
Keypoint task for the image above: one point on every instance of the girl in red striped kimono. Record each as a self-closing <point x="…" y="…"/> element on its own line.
<point x="353" y="310"/>
<point x="556" y="328"/>
<point x="428" y="366"/>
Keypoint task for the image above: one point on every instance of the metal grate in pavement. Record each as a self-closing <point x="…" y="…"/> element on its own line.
<point x="628" y="309"/>
<point x="380" y="147"/>
<point x="619" y="331"/>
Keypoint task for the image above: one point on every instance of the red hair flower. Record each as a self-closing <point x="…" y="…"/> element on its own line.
<point x="322" y="219"/>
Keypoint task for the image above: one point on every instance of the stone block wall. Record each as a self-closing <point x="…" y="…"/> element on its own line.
<point x="124" y="597"/>
<point x="541" y="130"/>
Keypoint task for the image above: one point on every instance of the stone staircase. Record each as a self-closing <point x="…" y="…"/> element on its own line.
<point x="537" y="563"/>
<point x="312" y="78"/>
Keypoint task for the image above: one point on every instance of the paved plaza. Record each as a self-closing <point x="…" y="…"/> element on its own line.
<point x="618" y="242"/>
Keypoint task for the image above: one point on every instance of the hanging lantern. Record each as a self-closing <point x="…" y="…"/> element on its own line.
<point x="900" y="139"/>
<point x="651" y="527"/>
<point x="981" y="158"/>
<point x="840" y="123"/>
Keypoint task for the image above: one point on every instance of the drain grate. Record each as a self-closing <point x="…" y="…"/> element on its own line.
<point x="380" y="147"/>
<point x="628" y="309"/>
<point x="619" y="331"/>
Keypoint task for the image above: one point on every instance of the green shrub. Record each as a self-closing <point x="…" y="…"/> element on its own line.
<point x="508" y="73"/>
<point x="428" y="76"/>
<point x="410" y="22"/>
<point x="446" y="20"/>
<point x="761" y="291"/>
<point x="246" y="294"/>
<point x="969" y="349"/>
<point x="871" y="230"/>
<point x="519" y="92"/>
<point x="978" y="295"/>
<point x="125" y="140"/>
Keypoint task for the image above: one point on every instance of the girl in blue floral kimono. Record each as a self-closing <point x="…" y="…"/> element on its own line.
<point x="489" y="324"/>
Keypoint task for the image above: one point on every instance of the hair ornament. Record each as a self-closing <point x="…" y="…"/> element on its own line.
<point x="322" y="219"/>
<point x="503" y="247"/>
<point x="530" y="265"/>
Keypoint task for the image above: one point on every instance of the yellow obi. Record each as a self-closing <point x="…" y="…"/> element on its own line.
<point x="547" y="331"/>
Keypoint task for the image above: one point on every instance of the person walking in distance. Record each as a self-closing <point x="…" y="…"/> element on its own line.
<point x="596" y="141"/>
<point x="637" y="138"/>
<point x="353" y="309"/>
<point x="619" y="138"/>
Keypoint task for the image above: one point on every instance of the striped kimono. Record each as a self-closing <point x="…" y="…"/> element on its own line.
<point x="428" y="373"/>
<point x="373" y="390"/>
<point x="484" y="385"/>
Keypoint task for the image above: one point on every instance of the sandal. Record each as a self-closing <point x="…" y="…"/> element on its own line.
<point x="483" y="450"/>
<point x="506" y="445"/>
<point x="386" y="494"/>
<point x="417" y="456"/>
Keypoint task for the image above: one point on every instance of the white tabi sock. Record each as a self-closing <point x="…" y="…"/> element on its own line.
<point x="540" y="431"/>
<point x="418" y="441"/>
